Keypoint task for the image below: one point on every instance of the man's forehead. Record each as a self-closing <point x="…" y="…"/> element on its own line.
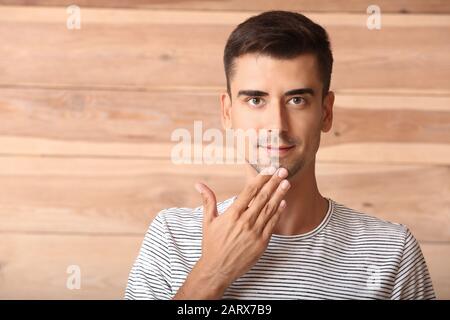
<point x="259" y="70"/>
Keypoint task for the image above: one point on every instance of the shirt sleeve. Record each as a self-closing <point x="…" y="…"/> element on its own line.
<point x="150" y="275"/>
<point x="413" y="279"/>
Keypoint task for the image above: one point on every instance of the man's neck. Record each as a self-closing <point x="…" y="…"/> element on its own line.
<point x="306" y="208"/>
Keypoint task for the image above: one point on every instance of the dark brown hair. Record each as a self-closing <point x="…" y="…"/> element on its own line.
<point x="281" y="35"/>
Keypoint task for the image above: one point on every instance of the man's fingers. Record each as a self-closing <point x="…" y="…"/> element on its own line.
<point x="209" y="202"/>
<point x="266" y="193"/>
<point x="272" y="205"/>
<point x="271" y="224"/>
<point x="251" y="189"/>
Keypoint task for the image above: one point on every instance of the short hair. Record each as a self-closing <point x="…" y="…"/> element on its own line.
<point x="282" y="35"/>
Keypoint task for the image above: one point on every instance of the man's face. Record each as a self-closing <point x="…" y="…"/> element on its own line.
<point x="284" y="96"/>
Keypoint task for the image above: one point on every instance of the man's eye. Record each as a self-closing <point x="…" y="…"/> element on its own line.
<point x="256" y="102"/>
<point x="297" y="101"/>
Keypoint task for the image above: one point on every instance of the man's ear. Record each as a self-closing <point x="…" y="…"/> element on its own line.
<point x="327" y="111"/>
<point x="225" y="102"/>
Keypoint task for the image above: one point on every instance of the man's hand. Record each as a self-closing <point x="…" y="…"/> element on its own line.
<point x="235" y="240"/>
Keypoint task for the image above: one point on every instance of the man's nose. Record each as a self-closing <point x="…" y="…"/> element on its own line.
<point x="276" y="117"/>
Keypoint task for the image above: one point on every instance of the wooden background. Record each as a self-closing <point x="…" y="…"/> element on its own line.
<point x="86" y="117"/>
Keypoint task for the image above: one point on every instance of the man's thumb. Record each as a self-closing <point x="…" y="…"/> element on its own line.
<point x="209" y="202"/>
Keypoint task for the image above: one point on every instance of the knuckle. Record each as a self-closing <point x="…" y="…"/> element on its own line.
<point x="264" y="196"/>
<point x="264" y="211"/>
<point x="255" y="235"/>
<point x="244" y="225"/>
<point x="270" y="207"/>
<point x="252" y="190"/>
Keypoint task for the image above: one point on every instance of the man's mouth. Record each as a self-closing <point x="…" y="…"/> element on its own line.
<point x="277" y="150"/>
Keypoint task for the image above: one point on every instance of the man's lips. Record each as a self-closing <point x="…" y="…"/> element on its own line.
<point x="277" y="151"/>
<point x="277" y="148"/>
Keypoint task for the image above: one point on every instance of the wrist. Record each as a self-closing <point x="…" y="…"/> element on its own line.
<point x="203" y="283"/>
<point x="211" y="283"/>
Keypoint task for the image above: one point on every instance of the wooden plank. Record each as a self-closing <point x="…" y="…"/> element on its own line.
<point x="34" y="266"/>
<point x="404" y="101"/>
<point x="402" y="129"/>
<point x="97" y="116"/>
<point x="141" y="49"/>
<point x="200" y="17"/>
<point x="121" y="196"/>
<point x="437" y="257"/>
<point x="387" y="152"/>
<point x="371" y="152"/>
<point x="398" y="6"/>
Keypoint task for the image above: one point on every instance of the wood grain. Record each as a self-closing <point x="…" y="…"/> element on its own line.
<point x="398" y="6"/>
<point x="35" y="266"/>
<point x="408" y="49"/>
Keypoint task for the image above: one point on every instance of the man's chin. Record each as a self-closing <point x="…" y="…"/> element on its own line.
<point x="282" y="164"/>
<point x="292" y="167"/>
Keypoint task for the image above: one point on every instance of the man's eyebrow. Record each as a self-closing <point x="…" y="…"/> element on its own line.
<point x="253" y="93"/>
<point x="258" y="93"/>
<point x="299" y="91"/>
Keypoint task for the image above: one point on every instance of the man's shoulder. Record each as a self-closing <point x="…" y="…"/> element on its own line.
<point x="360" y="223"/>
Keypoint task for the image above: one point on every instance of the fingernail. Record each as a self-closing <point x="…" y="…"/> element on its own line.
<point x="268" y="171"/>
<point x="283" y="204"/>
<point x="198" y="188"/>
<point x="282" y="173"/>
<point x="285" y="184"/>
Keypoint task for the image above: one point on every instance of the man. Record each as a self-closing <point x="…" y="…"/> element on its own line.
<point x="279" y="238"/>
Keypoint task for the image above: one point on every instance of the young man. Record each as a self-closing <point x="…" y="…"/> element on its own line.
<point x="279" y="238"/>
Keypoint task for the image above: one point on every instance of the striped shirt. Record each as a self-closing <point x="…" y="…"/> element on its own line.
<point x="350" y="255"/>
